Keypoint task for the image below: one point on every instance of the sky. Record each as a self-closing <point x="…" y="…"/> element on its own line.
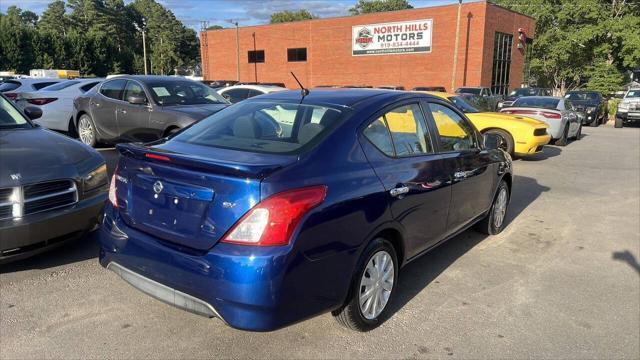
<point x="246" y="12"/>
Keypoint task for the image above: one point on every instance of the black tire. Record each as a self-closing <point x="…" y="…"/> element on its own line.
<point x="595" y="122"/>
<point x="350" y="315"/>
<point x="91" y="137"/>
<point x="564" y="139"/>
<point x="618" y="123"/>
<point x="488" y="224"/>
<point x="72" y="131"/>
<point x="506" y="140"/>
<point x="579" y="133"/>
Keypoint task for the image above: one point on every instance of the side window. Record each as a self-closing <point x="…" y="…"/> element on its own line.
<point x="133" y="89"/>
<point x="236" y="95"/>
<point x="405" y="127"/>
<point x="87" y="87"/>
<point x="455" y="132"/>
<point x="113" y="89"/>
<point x="253" y="93"/>
<point x="38" y="86"/>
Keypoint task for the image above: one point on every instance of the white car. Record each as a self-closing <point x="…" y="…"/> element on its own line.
<point x="14" y="87"/>
<point x="237" y="93"/>
<point x="56" y="102"/>
<point x="629" y="108"/>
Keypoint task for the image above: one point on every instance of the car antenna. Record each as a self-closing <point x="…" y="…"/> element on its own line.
<point x="303" y="90"/>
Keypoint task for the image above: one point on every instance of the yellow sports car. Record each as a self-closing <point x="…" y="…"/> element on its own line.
<point x="519" y="135"/>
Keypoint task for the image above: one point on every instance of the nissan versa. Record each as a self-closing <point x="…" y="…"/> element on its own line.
<point x="52" y="188"/>
<point x="285" y="206"/>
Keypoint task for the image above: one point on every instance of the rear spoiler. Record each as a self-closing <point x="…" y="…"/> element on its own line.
<point x="219" y="166"/>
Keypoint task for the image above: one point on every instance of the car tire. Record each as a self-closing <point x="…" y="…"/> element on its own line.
<point x="87" y="130"/>
<point x="618" y="123"/>
<point x="595" y="122"/>
<point x="565" y="137"/>
<point x="493" y="222"/>
<point x="506" y="140"/>
<point x="368" y="316"/>
<point x="579" y="133"/>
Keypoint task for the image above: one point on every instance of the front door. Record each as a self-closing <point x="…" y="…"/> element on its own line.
<point x="401" y="152"/>
<point x="133" y="119"/>
<point x="104" y="106"/>
<point x="469" y="166"/>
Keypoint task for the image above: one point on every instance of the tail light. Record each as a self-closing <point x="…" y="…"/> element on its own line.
<point x="11" y="96"/>
<point x="113" y="199"/>
<point x="551" y="115"/>
<point x="272" y="221"/>
<point x="41" y="101"/>
<point x="157" y="157"/>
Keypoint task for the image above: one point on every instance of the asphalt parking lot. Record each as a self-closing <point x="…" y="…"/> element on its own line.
<point x="562" y="281"/>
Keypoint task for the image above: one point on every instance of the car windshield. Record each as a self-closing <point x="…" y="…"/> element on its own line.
<point x="537" y="102"/>
<point x="463" y="105"/>
<point x="9" y="85"/>
<point x="523" y="92"/>
<point x="474" y="91"/>
<point x="10" y="117"/>
<point x="633" y="94"/>
<point x="173" y="93"/>
<point x="265" y="127"/>
<point x="60" y="85"/>
<point x="581" y="96"/>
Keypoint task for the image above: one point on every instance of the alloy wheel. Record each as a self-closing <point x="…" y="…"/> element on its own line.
<point x="500" y="208"/>
<point x="376" y="284"/>
<point x="85" y="131"/>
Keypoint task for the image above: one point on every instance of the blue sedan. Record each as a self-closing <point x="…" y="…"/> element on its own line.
<point x="286" y="206"/>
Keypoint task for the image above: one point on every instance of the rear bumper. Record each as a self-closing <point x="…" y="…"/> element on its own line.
<point x="249" y="288"/>
<point x="533" y="146"/>
<point x="33" y="234"/>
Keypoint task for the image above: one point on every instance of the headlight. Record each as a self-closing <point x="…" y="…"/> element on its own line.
<point x="95" y="179"/>
<point x="591" y="109"/>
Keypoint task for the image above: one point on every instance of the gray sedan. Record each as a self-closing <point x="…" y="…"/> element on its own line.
<point x="142" y="108"/>
<point x="564" y="122"/>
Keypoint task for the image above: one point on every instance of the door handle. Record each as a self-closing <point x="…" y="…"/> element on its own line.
<point x="399" y="191"/>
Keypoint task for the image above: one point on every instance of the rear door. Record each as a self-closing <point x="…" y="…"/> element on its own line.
<point x="133" y="119"/>
<point x="398" y="146"/>
<point x="104" y="107"/>
<point x="468" y="165"/>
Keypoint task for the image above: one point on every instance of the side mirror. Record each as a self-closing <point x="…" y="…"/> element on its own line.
<point x="137" y="100"/>
<point x="33" y="112"/>
<point x="491" y="141"/>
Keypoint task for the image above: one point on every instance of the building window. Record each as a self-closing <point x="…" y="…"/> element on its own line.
<point x="501" y="63"/>
<point x="256" y="56"/>
<point x="299" y="54"/>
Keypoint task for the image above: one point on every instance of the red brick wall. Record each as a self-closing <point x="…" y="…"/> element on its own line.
<point x="329" y="59"/>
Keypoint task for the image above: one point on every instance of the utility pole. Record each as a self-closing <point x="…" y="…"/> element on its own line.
<point x="234" y="22"/>
<point x="255" y="63"/>
<point x="455" y="54"/>
<point x="144" y="52"/>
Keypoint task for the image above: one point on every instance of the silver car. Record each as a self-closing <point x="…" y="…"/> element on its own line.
<point x="564" y="122"/>
<point x="629" y="108"/>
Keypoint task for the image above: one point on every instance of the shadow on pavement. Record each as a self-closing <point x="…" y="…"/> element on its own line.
<point x="548" y="151"/>
<point x="627" y="257"/>
<point x="418" y="274"/>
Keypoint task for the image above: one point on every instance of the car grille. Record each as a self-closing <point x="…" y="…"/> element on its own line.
<point x="35" y="198"/>
<point x="540" y="132"/>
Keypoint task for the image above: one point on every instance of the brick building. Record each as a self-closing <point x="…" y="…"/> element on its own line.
<point x="407" y="48"/>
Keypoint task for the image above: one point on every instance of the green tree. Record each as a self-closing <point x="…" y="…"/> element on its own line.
<point x="54" y="19"/>
<point x="289" y="16"/>
<point x="215" y="27"/>
<point x="374" y="6"/>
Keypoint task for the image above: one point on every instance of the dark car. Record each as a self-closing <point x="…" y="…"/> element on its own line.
<point x="52" y="188"/>
<point x="515" y="94"/>
<point x="285" y="206"/>
<point x="142" y="108"/>
<point x="591" y="104"/>
<point x="430" y="88"/>
<point x="488" y="100"/>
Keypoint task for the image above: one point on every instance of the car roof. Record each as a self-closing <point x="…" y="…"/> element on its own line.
<point x="342" y="96"/>
<point x="542" y="97"/>
<point x="151" y="78"/>
<point x="254" y="87"/>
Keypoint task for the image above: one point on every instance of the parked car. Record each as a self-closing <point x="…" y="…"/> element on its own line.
<point x="591" y="104"/>
<point x="231" y="219"/>
<point x="520" y="92"/>
<point x="564" y="122"/>
<point x="430" y="88"/>
<point x="56" y="102"/>
<point x="628" y="111"/>
<point x="142" y="108"/>
<point x="238" y="93"/>
<point x="519" y="136"/>
<point x="390" y="87"/>
<point x="12" y="88"/>
<point x="490" y="100"/>
<point x="52" y="188"/>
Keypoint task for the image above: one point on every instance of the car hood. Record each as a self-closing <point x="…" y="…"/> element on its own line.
<point x="34" y="155"/>
<point x="196" y="112"/>
<point x="494" y="116"/>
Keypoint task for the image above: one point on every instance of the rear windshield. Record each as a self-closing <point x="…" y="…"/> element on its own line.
<point x="545" y="103"/>
<point x="9" y="85"/>
<point x="262" y="126"/>
<point x="41" y="85"/>
<point x="581" y="96"/>
<point x="633" y="94"/>
<point x="60" y="86"/>
<point x="463" y="105"/>
<point x="524" y="92"/>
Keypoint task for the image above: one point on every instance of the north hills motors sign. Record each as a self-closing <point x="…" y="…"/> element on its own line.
<point x="404" y="37"/>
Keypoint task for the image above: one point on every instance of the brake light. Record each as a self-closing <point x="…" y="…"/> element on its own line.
<point x="42" y="101"/>
<point x="551" y="115"/>
<point x="113" y="199"/>
<point x="273" y="221"/>
<point x="157" y="157"/>
<point x="11" y="96"/>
